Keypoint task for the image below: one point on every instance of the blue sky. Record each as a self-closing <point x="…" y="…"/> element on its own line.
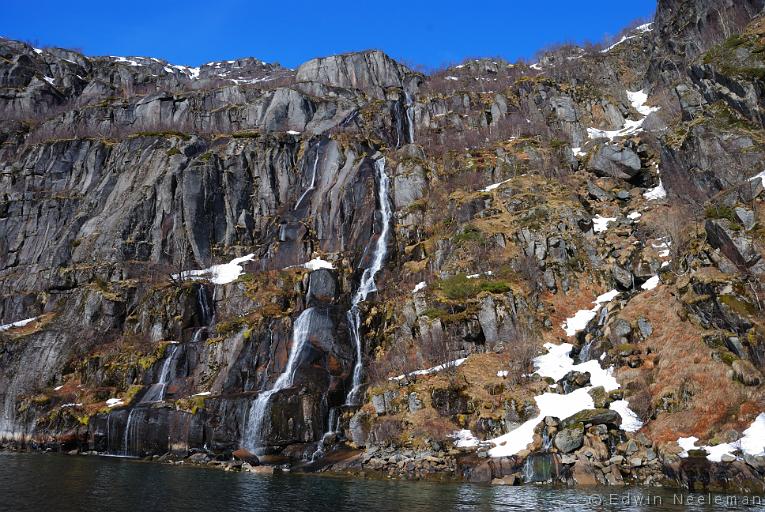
<point x="290" y="32"/>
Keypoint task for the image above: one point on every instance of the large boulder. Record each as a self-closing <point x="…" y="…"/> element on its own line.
<point x="570" y="439"/>
<point x="594" y="417"/>
<point x="615" y="161"/>
<point x="737" y="247"/>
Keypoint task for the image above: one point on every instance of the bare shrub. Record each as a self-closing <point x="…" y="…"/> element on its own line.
<point x="528" y="268"/>
<point x="521" y="349"/>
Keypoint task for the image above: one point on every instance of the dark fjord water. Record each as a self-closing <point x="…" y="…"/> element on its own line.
<point x="99" y="484"/>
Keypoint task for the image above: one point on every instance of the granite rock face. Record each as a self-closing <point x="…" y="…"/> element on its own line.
<point x="164" y="227"/>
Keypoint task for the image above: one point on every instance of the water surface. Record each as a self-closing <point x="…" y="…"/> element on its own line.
<point x="76" y="483"/>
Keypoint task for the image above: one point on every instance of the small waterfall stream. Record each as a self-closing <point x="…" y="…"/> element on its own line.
<point x="409" y="116"/>
<point x="367" y="283"/>
<point x="300" y="334"/>
<point x="366" y="286"/>
<point x="156" y="392"/>
<point x="313" y="178"/>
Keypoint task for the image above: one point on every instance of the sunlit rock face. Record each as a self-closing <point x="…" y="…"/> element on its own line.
<point x="498" y="271"/>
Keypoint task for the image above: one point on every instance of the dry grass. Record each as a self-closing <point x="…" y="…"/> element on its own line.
<point x="679" y="363"/>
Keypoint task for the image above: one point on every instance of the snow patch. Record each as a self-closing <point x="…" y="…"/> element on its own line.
<point x="549" y="404"/>
<point x="634" y="215"/>
<point x="317" y="263"/>
<point x="582" y="317"/>
<point x="502" y="373"/>
<point x="638" y="100"/>
<point x="751" y="443"/>
<point x="658" y="192"/>
<point x="218" y="274"/>
<point x="292" y="132"/>
<point x="465" y="439"/>
<point x="651" y="283"/>
<point x="600" y="224"/>
<point x="20" y="323"/>
<point x="57" y="388"/>
<point x="419" y="286"/>
<point x="495" y="186"/>
<point x="578" y="152"/>
<point x="760" y="176"/>
<point x="630" y="420"/>
<point x="556" y="364"/>
<point x="435" y="369"/>
<point x="114" y="402"/>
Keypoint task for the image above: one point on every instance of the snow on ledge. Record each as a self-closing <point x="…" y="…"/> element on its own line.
<point x="218" y="274"/>
<point x="760" y="176"/>
<point x="495" y="186"/>
<point x="435" y="369"/>
<point x="465" y="439"/>
<point x="114" y="402"/>
<point x="317" y="263"/>
<point x="20" y="323"/>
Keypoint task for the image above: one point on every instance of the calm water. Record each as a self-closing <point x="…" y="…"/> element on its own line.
<point x="60" y="483"/>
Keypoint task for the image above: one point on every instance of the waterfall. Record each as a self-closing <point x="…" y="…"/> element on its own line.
<point x="367" y="282"/>
<point x="300" y="333"/>
<point x="206" y="311"/>
<point x="313" y="179"/>
<point x="584" y="353"/>
<point x="156" y="392"/>
<point x="409" y="116"/>
<point x="131" y="437"/>
<point x="205" y="308"/>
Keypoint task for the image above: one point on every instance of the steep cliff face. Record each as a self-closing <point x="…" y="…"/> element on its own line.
<point x="239" y="256"/>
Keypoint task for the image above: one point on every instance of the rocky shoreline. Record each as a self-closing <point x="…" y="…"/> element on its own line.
<point x="635" y="463"/>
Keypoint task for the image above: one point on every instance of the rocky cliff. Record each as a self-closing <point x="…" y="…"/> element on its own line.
<point x="357" y="267"/>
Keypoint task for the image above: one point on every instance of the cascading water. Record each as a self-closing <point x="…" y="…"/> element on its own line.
<point x="313" y="179"/>
<point x="206" y="311"/>
<point x="156" y="392"/>
<point x="366" y="286"/>
<point x="367" y="283"/>
<point x="409" y="116"/>
<point x="300" y="333"/>
<point x="131" y="437"/>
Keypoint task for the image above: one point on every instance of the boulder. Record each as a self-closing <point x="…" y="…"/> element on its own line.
<point x="738" y="248"/>
<point x="246" y="456"/>
<point x="570" y="439"/>
<point x="615" y="161"/>
<point x="322" y="287"/>
<point x="583" y="474"/>
<point x="594" y="417"/>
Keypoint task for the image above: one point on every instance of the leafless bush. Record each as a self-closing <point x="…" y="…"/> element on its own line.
<point x="435" y="351"/>
<point x="521" y="349"/>
<point x="395" y="361"/>
<point x="528" y="268"/>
